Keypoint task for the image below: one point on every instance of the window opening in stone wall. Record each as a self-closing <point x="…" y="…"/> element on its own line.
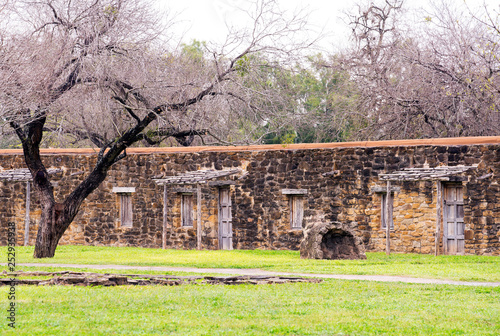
<point x="384" y="212"/>
<point x="187" y="209"/>
<point x="296" y="211"/>
<point x="296" y="199"/>
<point x="126" y="214"/>
<point x="126" y="211"/>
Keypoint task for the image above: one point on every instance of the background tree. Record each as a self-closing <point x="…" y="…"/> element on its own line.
<point x="437" y="79"/>
<point x="101" y="71"/>
<point x="317" y="102"/>
<point x="327" y="98"/>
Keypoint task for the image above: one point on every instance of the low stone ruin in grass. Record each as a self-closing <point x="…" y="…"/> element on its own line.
<point x="98" y="279"/>
<point x="331" y="241"/>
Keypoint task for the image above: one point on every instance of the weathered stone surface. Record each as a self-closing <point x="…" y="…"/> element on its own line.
<point x="96" y="279"/>
<point x="331" y="241"/>
<point x="339" y="182"/>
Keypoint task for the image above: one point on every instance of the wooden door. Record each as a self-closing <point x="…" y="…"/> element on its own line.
<point x="225" y="220"/>
<point x="453" y="219"/>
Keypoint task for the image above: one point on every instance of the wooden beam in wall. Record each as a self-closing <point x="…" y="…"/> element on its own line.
<point x="198" y="216"/>
<point x="165" y="209"/>
<point x="438" y="217"/>
<point x="27" y="218"/>
<point x="387" y="219"/>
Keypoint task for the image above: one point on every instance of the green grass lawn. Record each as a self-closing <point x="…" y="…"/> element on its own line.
<point x="466" y="268"/>
<point x="333" y="307"/>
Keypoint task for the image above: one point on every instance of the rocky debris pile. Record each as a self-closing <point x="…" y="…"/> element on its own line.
<point x="98" y="279"/>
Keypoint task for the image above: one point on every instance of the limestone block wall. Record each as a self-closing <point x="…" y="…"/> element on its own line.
<point x="339" y="179"/>
<point x="414" y="216"/>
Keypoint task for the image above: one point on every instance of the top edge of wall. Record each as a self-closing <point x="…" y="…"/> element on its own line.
<point x="195" y="149"/>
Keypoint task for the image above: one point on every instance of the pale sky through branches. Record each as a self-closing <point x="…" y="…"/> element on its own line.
<point x="205" y="20"/>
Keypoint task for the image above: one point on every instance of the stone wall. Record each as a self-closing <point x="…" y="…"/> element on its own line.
<point x="339" y="180"/>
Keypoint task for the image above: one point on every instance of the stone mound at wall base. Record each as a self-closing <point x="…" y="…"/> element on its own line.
<point x="331" y="241"/>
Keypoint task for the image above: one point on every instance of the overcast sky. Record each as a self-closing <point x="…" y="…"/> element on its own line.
<point x="205" y="20"/>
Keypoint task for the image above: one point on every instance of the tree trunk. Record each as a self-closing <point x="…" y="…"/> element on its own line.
<point x="46" y="239"/>
<point x="56" y="217"/>
<point x="31" y="136"/>
<point x="54" y="221"/>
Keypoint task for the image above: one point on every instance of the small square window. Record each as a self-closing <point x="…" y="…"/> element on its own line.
<point x="384" y="212"/>
<point x="296" y="212"/>
<point x="187" y="209"/>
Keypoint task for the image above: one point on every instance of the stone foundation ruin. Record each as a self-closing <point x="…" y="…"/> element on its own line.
<point x="331" y="241"/>
<point x="67" y="278"/>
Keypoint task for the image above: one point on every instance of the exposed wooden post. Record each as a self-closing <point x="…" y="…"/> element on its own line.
<point x="165" y="209"/>
<point x="198" y="216"/>
<point x="387" y="220"/>
<point x="438" y="217"/>
<point x="27" y="218"/>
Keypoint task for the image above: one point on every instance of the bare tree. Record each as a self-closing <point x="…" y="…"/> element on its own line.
<point x="438" y="79"/>
<point x="100" y="71"/>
